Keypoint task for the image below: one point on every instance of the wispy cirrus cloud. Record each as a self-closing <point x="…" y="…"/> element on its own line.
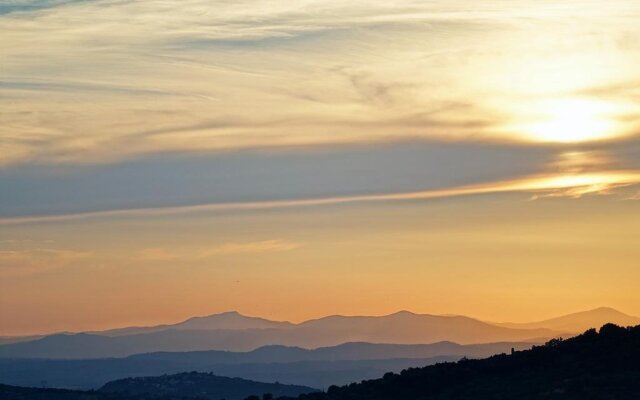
<point x="195" y="75"/>
<point x="635" y="196"/>
<point x="549" y="185"/>
<point x="223" y="249"/>
<point x="21" y="262"/>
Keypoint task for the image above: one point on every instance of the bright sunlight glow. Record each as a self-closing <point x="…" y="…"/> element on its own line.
<point x="572" y="121"/>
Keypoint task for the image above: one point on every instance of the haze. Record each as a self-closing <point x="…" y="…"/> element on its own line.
<point x="292" y="160"/>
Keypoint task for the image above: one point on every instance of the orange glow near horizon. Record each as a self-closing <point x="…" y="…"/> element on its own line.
<point x="297" y="159"/>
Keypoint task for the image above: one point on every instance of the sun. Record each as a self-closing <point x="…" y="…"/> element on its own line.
<point x="571" y="121"/>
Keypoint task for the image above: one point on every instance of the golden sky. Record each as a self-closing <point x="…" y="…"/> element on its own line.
<point x="161" y="159"/>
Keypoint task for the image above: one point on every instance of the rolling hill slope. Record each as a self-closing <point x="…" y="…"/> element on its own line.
<point x="184" y="386"/>
<point x="594" y="365"/>
<point x="201" y="386"/>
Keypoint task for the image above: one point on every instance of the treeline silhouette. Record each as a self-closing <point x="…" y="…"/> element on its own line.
<point x="594" y="365"/>
<point x="23" y="393"/>
<point x="183" y="386"/>
<point x="200" y="385"/>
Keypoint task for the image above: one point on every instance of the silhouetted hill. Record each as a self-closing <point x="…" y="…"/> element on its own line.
<point x="594" y="365"/>
<point x="231" y="320"/>
<point x="345" y="351"/>
<point x="346" y="363"/>
<point x="18" y="339"/>
<point x="408" y="328"/>
<point x="26" y="393"/>
<point x="200" y="385"/>
<point x="235" y="332"/>
<point x="184" y="386"/>
<point x="580" y="321"/>
<point x="398" y="328"/>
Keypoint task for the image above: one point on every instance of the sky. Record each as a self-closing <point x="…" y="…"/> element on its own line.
<point x="161" y="159"/>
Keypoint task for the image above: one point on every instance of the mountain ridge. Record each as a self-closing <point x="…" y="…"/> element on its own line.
<point x="322" y="333"/>
<point x="262" y="322"/>
<point x="594" y="365"/>
<point x="580" y="321"/>
<point x="182" y="386"/>
<point x="233" y="331"/>
<point x="200" y="385"/>
<point x="346" y="363"/>
<point x="224" y="320"/>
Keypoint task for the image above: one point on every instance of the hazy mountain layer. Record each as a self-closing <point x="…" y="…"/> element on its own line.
<point x="227" y="321"/>
<point x="398" y="328"/>
<point x="595" y="365"/>
<point x="235" y="332"/>
<point x="581" y="321"/>
<point x="322" y="367"/>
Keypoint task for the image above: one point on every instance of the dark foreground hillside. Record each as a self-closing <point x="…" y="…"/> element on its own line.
<point x="185" y="386"/>
<point x="594" y="365"/>
<point x="8" y="392"/>
<point x="201" y="385"/>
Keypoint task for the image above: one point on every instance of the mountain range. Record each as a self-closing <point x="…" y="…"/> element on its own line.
<point x="580" y="321"/>
<point x="343" y="364"/>
<point x="593" y="365"/>
<point x="232" y="331"/>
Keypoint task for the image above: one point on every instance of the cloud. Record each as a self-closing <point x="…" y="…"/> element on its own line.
<point x="161" y="76"/>
<point x="156" y="254"/>
<point x="32" y="261"/>
<point x="258" y="175"/>
<point x="265" y="246"/>
<point x="601" y="189"/>
<point x="9" y="6"/>
<point x="568" y="185"/>
<point x="231" y="248"/>
<point x="635" y="196"/>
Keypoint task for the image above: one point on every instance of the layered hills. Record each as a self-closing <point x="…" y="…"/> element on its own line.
<point x="322" y="367"/>
<point x="594" y="365"/>
<point x="184" y="386"/>
<point x="235" y="332"/>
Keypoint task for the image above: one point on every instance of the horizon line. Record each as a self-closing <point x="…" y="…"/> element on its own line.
<point x="169" y="324"/>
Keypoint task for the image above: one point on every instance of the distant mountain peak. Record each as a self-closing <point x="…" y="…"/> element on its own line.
<point x="600" y="311"/>
<point x="229" y="313"/>
<point x="229" y="320"/>
<point x="404" y="313"/>
<point x="232" y="314"/>
<point x="581" y="320"/>
<point x="605" y="309"/>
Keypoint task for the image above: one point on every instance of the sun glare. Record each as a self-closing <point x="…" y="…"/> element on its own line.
<point x="572" y="121"/>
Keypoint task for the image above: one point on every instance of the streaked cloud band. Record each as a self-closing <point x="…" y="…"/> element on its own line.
<point x="573" y="185"/>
